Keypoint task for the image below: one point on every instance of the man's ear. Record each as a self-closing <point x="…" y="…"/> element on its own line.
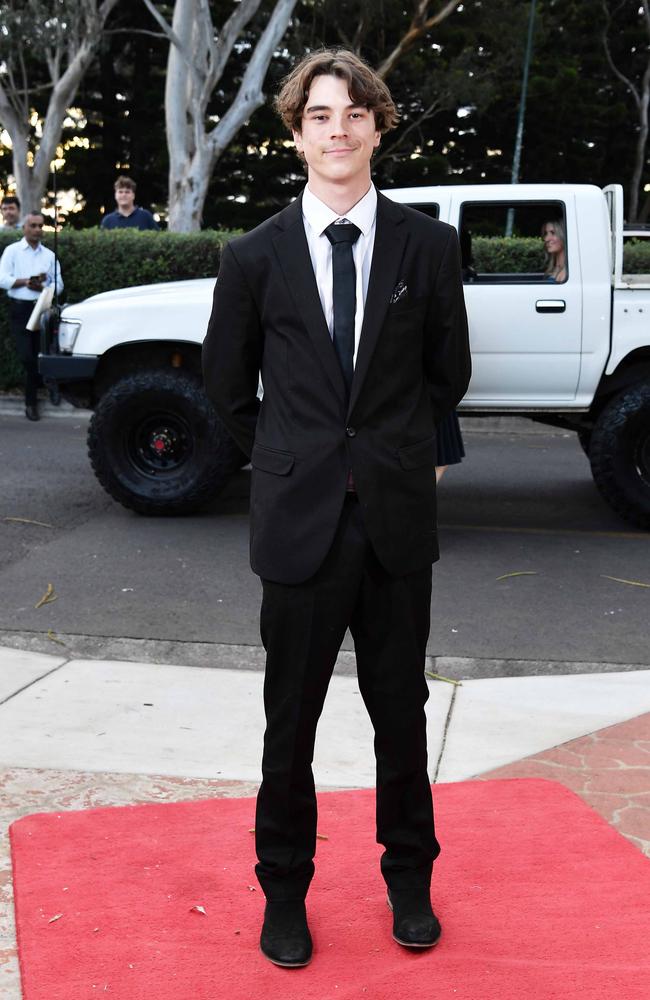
<point x="297" y="138"/>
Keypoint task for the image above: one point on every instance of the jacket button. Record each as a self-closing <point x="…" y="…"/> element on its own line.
<point x="350" y="431"/>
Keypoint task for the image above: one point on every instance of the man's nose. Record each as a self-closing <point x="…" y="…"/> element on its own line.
<point x="339" y="125"/>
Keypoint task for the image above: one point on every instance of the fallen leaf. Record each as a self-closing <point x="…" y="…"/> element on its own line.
<point x="322" y="836"/>
<point x="252" y="830"/>
<point x="28" y="520"/>
<point x="521" y="572"/>
<point x="630" y="583"/>
<point x="439" y="677"/>
<point x="51" y="636"/>
<point x="252" y="888"/>
<point x="47" y="597"/>
<point x="57" y="916"/>
<point x="198" y="909"/>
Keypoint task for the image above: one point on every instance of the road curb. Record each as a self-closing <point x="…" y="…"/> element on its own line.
<point x="227" y="656"/>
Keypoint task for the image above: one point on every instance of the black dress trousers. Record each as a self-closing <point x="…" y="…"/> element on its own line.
<point x="302" y="629"/>
<point x="27" y="344"/>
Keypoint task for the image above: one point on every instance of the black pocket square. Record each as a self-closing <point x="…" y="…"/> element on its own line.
<point x="399" y="291"/>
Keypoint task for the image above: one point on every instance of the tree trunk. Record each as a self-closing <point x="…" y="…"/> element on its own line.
<point x="641" y="145"/>
<point x="194" y="67"/>
<point x="188" y="189"/>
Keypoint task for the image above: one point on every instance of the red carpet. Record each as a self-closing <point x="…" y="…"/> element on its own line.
<point x="539" y="898"/>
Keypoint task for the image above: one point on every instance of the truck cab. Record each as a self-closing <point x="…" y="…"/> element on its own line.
<point x="571" y="350"/>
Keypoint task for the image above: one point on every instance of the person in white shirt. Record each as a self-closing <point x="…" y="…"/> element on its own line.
<point x="26" y="267"/>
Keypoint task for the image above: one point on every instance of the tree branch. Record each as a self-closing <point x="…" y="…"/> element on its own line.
<point x="250" y="96"/>
<point x="230" y="32"/>
<point x="134" y="31"/>
<point x="429" y="112"/>
<point x="608" y="55"/>
<point x="418" y="27"/>
<point x="166" y="27"/>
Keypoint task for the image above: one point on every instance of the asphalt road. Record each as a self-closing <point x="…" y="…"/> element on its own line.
<point x="520" y="503"/>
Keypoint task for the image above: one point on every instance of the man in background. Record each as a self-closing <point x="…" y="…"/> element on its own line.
<point x="26" y="268"/>
<point x="128" y="215"/>
<point x="10" y="209"/>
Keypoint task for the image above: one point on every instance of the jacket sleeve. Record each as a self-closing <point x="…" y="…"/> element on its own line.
<point x="447" y="361"/>
<point x="232" y="352"/>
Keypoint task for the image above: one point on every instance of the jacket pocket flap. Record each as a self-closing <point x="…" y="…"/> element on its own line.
<point x="406" y="305"/>
<point x="269" y="460"/>
<point x="413" y="456"/>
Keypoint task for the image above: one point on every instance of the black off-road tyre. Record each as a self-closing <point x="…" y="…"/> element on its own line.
<point x="158" y="447"/>
<point x="584" y="437"/>
<point x="620" y="454"/>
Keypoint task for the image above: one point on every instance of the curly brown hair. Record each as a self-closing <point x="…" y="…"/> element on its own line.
<point x="365" y="87"/>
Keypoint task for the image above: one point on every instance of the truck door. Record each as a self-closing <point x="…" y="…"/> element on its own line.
<point x="524" y="303"/>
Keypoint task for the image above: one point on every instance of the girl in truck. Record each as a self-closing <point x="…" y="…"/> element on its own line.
<point x="554" y="237"/>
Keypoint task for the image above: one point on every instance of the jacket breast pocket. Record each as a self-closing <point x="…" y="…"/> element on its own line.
<point x="271" y="460"/>
<point x="414" y="456"/>
<point x="407" y="307"/>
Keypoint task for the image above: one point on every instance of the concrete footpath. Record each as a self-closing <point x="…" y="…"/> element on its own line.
<point x="79" y="733"/>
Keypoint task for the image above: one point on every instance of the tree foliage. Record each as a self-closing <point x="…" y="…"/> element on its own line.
<point x="46" y="47"/>
<point x="457" y="88"/>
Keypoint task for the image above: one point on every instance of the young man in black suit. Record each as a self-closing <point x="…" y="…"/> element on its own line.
<point x="351" y="307"/>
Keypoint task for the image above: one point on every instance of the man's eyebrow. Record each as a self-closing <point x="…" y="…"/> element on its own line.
<point x="324" y="107"/>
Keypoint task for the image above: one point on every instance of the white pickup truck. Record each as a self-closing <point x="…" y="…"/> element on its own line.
<point x="573" y="352"/>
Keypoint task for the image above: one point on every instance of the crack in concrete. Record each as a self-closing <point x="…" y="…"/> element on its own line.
<point x="450" y="710"/>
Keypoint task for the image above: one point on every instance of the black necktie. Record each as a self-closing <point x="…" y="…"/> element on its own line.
<point x="342" y="236"/>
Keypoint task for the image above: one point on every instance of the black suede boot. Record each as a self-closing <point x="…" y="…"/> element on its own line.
<point x="285" y="936"/>
<point x="415" y="925"/>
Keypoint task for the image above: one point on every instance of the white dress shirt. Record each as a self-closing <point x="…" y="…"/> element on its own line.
<point x="20" y="260"/>
<point x="317" y="217"/>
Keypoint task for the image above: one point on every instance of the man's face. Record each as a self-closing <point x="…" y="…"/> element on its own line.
<point x="124" y="198"/>
<point x="337" y="138"/>
<point x="33" y="229"/>
<point x="10" y="214"/>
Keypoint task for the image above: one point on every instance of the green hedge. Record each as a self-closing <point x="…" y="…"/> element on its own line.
<point x="493" y="255"/>
<point x="636" y="256"/>
<point x="507" y="255"/>
<point x="95" y="261"/>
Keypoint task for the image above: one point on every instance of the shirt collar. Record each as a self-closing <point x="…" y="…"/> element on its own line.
<point x="320" y="216"/>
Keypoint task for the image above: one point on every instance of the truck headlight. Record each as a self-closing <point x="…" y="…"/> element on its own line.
<point x="68" y="330"/>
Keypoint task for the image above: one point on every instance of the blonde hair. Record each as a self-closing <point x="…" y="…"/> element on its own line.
<point x="549" y="258"/>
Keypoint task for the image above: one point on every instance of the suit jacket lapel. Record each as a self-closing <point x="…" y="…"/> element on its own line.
<point x="293" y="253"/>
<point x="390" y="240"/>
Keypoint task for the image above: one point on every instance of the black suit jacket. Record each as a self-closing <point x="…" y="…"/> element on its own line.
<point x="412" y="367"/>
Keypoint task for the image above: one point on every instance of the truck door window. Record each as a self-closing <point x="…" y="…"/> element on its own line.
<point x="514" y="242"/>
<point x="432" y="210"/>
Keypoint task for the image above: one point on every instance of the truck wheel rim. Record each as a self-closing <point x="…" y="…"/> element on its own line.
<point x="160" y="444"/>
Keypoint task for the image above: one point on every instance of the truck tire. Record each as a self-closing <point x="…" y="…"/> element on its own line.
<point x="620" y="454"/>
<point x="584" y="437"/>
<point x="157" y="446"/>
